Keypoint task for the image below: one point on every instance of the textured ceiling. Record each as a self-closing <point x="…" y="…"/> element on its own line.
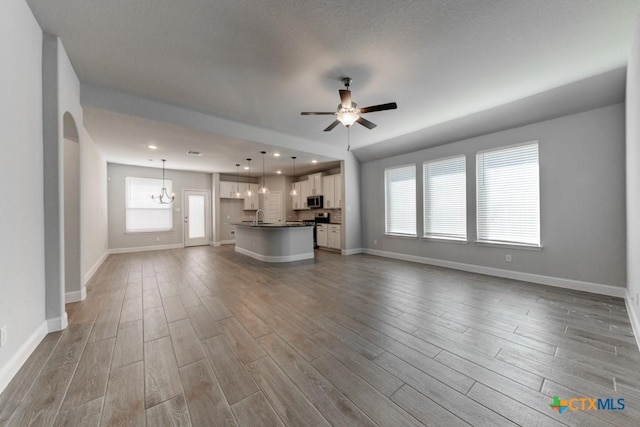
<point x="262" y="62"/>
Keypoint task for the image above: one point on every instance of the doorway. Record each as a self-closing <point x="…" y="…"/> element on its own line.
<point x="273" y="207"/>
<point x="197" y="214"/>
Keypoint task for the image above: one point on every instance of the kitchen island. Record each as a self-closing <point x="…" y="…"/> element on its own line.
<point x="275" y="242"/>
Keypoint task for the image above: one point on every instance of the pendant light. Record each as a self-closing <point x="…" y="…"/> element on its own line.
<point x="249" y="193"/>
<point x="293" y="191"/>
<point x="163" y="198"/>
<point x="263" y="189"/>
<point x="237" y="195"/>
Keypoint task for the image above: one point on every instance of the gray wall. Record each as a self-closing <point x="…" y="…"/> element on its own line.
<point x="633" y="170"/>
<point x="354" y="191"/>
<point x="231" y="211"/>
<point x="22" y="287"/>
<point x="582" y="200"/>
<point x="93" y="199"/>
<point x="181" y="180"/>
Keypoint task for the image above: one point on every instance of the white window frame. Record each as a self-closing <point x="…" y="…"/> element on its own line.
<point x="139" y="206"/>
<point x="505" y="213"/>
<point x="449" y="195"/>
<point x="408" y="204"/>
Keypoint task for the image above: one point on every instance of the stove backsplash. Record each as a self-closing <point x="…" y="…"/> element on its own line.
<point x="335" y="215"/>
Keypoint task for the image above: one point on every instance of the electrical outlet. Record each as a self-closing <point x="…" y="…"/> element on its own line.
<point x="3" y="336"/>
<point x="375" y="243"/>
<point x="508" y="258"/>
<point x="157" y="239"/>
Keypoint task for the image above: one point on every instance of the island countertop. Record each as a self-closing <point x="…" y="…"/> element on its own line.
<point x="275" y="242"/>
<point x="271" y="225"/>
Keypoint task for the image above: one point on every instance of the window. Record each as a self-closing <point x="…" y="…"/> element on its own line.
<point x="508" y="187"/>
<point x="400" y="200"/>
<point x="445" y="198"/>
<point x="142" y="213"/>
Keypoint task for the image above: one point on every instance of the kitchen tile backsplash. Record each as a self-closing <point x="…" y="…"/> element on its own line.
<point x="335" y="215"/>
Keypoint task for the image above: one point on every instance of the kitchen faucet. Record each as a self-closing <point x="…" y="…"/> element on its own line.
<point x="257" y="217"/>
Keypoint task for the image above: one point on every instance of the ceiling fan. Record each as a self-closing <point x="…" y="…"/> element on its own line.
<point x="348" y="112"/>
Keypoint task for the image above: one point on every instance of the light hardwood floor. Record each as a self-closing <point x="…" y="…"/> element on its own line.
<point x="203" y="336"/>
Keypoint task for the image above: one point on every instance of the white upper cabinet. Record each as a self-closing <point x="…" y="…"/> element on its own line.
<point x="315" y="184"/>
<point x="299" y="201"/>
<point x="332" y="188"/>
<point x="228" y="189"/>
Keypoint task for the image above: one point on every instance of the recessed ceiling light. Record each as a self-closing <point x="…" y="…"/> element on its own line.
<point x="278" y="172"/>
<point x="314" y="161"/>
<point x="152" y="147"/>
<point x="276" y="154"/>
<point x="195" y="153"/>
<point x="246" y="168"/>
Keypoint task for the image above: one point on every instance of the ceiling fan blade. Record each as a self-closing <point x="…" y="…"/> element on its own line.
<point x="345" y="98"/>
<point x="381" y="107"/>
<point x="324" y="113"/>
<point x="332" y="125"/>
<point x="366" y="123"/>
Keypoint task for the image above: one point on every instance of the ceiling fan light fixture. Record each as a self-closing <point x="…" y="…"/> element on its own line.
<point x="348" y="116"/>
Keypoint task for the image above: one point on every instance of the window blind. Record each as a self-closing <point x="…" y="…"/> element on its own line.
<point x="508" y="195"/>
<point x="445" y="198"/>
<point x="142" y="214"/>
<point x="400" y="200"/>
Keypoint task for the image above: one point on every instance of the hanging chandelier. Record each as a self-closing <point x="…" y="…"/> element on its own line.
<point x="163" y="198"/>
<point x="263" y="189"/>
<point x="249" y="193"/>
<point x="293" y="191"/>
<point x="237" y="181"/>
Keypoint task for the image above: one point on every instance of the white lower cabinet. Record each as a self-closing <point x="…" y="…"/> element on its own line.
<point x="329" y="236"/>
<point x="322" y="235"/>
<point x="335" y="236"/>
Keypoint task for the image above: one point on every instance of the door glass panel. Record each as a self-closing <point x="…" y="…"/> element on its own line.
<point x="196" y="217"/>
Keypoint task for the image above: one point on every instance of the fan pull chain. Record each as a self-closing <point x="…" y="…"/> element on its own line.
<point x="349" y="138"/>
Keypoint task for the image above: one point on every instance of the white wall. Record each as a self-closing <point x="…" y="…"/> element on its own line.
<point x="181" y="180"/>
<point x="633" y="178"/>
<point x="582" y="203"/>
<point x="22" y="288"/>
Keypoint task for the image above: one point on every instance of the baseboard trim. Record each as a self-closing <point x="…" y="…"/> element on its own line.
<point x="89" y="274"/>
<point x="75" y="296"/>
<point x="558" y="282"/>
<point x="57" y="323"/>
<point x="633" y="317"/>
<point x="11" y="368"/>
<point x="354" y="251"/>
<point x="146" y="248"/>
<point x="214" y="244"/>
<point x="266" y="258"/>
<point x="227" y="242"/>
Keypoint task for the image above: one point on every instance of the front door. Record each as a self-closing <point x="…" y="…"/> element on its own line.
<point x="197" y="208"/>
